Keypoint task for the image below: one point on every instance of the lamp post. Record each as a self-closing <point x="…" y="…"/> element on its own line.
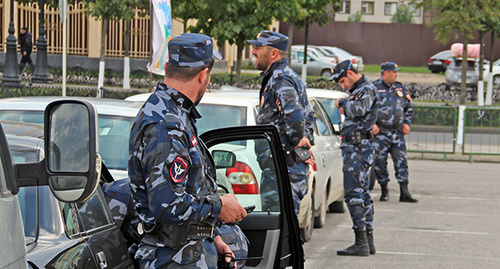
<point x="41" y="73"/>
<point x="10" y="76"/>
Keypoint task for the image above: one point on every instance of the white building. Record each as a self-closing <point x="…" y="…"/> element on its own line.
<point x="377" y="11"/>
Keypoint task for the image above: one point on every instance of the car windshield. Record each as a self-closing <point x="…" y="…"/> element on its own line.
<point x="114" y="132"/>
<point x="329" y="106"/>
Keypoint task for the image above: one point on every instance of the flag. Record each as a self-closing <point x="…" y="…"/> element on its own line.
<point x="161" y="33"/>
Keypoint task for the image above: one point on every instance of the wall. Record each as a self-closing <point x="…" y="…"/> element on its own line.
<point x="405" y="44"/>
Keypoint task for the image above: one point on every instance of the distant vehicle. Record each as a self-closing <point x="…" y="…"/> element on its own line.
<point x="453" y="74"/>
<point x="496" y="73"/>
<point x="439" y="62"/>
<point x="71" y="172"/>
<point x="316" y="66"/>
<point x="343" y="55"/>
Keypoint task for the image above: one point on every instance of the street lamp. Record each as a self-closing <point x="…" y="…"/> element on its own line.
<point x="41" y="73"/>
<point x="10" y="76"/>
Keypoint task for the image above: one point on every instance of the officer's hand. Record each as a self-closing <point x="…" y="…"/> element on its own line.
<point x="376" y="130"/>
<point x="406" y="129"/>
<point x="311" y="161"/>
<point x="223" y="249"/>
<point x="337" y="103"/>
<point x="231" y="210"/>
<point x="303" y="142"/>
<point x="24" y="53"/>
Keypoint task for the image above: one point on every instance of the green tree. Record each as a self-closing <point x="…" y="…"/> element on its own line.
<point x="357" y="16"/>
<point x="185" y="10"/>
<point x="457" y="20"/>
<point x="403" y="15"/>
<point x="236" y="23"/>
<point x="107" y="10"/>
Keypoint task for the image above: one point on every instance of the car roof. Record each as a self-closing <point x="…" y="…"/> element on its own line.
<point x="324" y="93"/>
<point x="104" y="106"/>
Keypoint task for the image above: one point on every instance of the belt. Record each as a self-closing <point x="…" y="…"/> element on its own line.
<point x="355" y="137"/>
<point x="198" y="232"/>
<point x="174" y="236"/>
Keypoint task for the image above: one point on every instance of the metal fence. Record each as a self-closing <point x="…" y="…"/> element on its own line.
<point x="481" y="131"/>
<point x="433" y="129"/>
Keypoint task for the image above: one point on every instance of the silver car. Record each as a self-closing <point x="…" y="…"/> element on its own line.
<point x="316" y="66"/>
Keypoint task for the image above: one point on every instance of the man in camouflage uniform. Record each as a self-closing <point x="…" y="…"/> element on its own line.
<point x="172" y="174"/>
<point x="284" y="104"/>
<point x="393" y="123"/>
<point x="360" y="110"/>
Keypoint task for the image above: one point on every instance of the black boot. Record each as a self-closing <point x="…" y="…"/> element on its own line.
<point x="384" y="196"/>
<point x="360" y="247"/>
<point x="405" y="195"/>
<point x="369" y="238"/>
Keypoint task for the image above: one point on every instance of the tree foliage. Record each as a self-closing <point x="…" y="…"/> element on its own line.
<point x="357" y="16"/>
<point x="403" y="15"/>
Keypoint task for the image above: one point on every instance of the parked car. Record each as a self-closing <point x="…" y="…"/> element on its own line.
<point x="265" y="229"/>
<point x="453" y="74"/>
<point x="235" y="107"/>
<point x="315" y="65"/>
<point x="320" y="54"/>
<point x="496" y="73"/>
<point x="70" y="128"/>
<point x="343" y="55"/>
<point x="83" y="231"/>
<point x="439" y="62"/>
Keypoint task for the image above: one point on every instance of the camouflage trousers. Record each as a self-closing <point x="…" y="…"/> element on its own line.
<point x="357" y="160"/>
<point x="299" y="175"/>
<point x="234" y="237"/>
<point x="195" y="254"/>
<point x="393" y="142"/>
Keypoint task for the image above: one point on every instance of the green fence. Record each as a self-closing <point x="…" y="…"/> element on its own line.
<point x="433" y="129"/>
<point x="481" y="131"/>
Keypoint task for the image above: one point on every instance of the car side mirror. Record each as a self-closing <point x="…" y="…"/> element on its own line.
<point x="224" y="159"/>
<point x="72" y="165"/>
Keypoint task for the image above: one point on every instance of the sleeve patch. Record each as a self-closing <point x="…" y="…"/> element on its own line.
<point x="359" y="95"/>
<point x="194" y="141"/>
<point x="278" y="104"/>
<point x="408" y="96"/>
<point x="178" y="169"/>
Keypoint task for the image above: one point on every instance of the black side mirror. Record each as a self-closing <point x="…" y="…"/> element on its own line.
<point x="224" y="159"/>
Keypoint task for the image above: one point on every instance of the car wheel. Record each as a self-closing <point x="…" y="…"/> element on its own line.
<point x="326" y="73"/>
<point x="496" y="80"/>
<point x="306" y="232"/>
<point x="337" y="207"/>
<point x="320" y="220"/>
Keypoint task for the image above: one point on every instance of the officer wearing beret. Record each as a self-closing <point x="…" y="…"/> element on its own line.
<point x="172" y="174"/>
<point x="393" y="123"/>
<point x="360" y="110"/>
<point x="284" y="104"/>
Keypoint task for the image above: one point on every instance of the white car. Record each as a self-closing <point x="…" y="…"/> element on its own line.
<point x="317" y="65"/>
<point x="343" y="55"/>
<point x="235" y="107"/>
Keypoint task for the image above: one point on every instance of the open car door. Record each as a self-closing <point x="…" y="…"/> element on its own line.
<point x="253" y="154"/>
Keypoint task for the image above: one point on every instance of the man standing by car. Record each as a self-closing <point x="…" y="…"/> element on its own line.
<point x="360" y="110"/>
<point x="284" y="104"/>
<point x="393" y="123"/>
<point x="172" y="174"/>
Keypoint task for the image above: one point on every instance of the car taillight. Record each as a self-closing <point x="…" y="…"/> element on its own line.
<point x="353" y="61"/>
<point x="430" y="60"/>
<point x="315" y="166"/>
<point x="242" y="179"/>
<point x="446" y="62"/>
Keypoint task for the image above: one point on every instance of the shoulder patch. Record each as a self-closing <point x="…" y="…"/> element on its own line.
<point x="400" y="93"/>
<point x="408" y="96"/>
<point x="278" y="104"/>
<point x="359" y="95"/>
<point x="194" y="141"/>
<point x="178" y="169"/>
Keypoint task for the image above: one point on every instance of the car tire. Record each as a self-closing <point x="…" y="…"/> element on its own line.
<point x="306" y="232"/>
<point x="496" y="80"/>
<point x="326" y="73"/>
<point x="337" y="207"/>
<point x="320" y="220"/>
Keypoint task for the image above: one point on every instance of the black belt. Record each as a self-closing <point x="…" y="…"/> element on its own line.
<point x="174" y="236"/>
<point x="199" y="232"/>
<point x="356" y="137"/>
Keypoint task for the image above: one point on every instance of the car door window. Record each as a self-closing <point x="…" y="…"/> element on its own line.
<point x="322" y="123"/>
<point x="93" y="212"/>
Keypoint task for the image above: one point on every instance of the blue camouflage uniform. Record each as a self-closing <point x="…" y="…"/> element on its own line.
<point x="394" y="110"/>
<point x="360" y="110"/>
<point x="172" y="174"/>
<point x="284" y="104"/>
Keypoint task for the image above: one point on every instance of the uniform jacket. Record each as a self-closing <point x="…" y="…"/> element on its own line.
<point x="172" y="174"/>
<point x="25" y="41"/>
<point x="394" y="105"/>
<point x="284" y="104"/>
<point x="360" y="108"/>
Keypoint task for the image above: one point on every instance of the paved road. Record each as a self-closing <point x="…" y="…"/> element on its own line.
<point x="454" y="224"/>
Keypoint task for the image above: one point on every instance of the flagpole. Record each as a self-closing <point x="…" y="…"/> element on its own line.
<point x="150" y="44"/>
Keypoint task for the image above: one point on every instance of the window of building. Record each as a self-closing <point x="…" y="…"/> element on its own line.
<point x="346" y="7"/>
<point x="390" y="8"/>
<point x="415" y="11"/>
<point x="367" y="8"/>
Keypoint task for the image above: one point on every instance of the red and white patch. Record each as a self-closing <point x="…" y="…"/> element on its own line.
<point x="382" y="90"/>
<point x="278" y="104"/>
<point x="408" y="96"/>
<point x="178" y="169"/>
<point x="194" y="141"/>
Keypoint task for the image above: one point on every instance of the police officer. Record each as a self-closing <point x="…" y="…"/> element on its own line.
<point x="360" y="110"/>
<point x="172" y="174"/>
<point x="393" y="123"/>
<point x="284" y="104"/>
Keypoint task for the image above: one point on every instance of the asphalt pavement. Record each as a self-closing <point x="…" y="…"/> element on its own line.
<point x="454" y="224"/>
